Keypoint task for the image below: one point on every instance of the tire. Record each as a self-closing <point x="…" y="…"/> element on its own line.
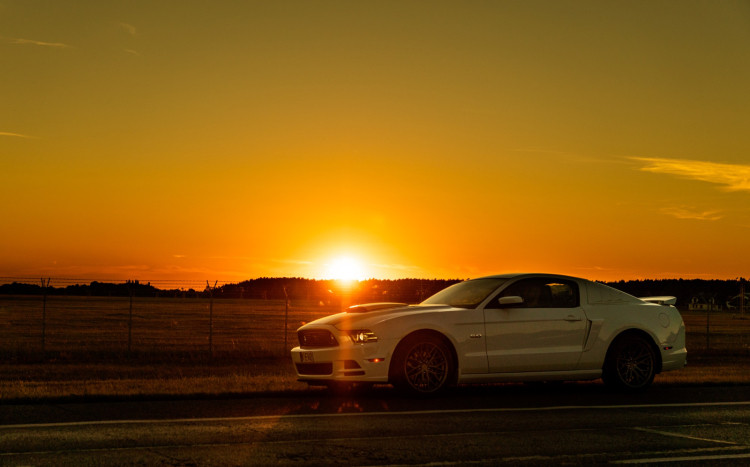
<point x="630" y="364"/>
<point x="423" y="365"/>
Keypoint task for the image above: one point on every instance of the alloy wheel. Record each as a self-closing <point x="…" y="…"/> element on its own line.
<point x="426" y="367"/>
<point x="635" y="364"/>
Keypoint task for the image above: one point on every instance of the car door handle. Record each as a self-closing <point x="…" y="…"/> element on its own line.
<point x="572" y="318"/>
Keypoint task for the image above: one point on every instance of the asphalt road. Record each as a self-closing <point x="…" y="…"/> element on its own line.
<point x="489" y="425"/>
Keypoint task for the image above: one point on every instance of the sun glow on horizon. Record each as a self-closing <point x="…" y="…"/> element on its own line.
<point x="345" y="268"/>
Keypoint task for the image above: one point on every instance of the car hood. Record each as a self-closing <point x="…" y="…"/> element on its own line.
<point x="371" y="314"/>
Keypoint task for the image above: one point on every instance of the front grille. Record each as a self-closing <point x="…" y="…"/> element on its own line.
<point x="315" y="368"/>
<point x="316" y="338"/>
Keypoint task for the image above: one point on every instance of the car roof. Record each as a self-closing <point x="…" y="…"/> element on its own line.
<point x="596" y="292"/>
<point x="516" y="275"/>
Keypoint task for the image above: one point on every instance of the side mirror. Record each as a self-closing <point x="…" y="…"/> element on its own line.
<point x="509" y="302"/>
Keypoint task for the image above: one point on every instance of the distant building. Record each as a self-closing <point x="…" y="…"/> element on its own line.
<point x="702" y="304"/>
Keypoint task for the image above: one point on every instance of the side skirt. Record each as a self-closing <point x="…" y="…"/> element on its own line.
<point x="574" y="375"/>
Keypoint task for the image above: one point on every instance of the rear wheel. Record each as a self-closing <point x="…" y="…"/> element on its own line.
<point x="423" y="365"/>
<point x="631" y="364"/>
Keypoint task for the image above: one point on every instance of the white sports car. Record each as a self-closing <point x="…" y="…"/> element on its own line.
<point x="513" y="327"/>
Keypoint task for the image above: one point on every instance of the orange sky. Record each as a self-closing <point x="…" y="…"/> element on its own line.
<point x="231" y="140"/>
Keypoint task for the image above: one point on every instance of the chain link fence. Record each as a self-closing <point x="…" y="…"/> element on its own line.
<point x="187" y="325"/>
<point x="193" y="320"/>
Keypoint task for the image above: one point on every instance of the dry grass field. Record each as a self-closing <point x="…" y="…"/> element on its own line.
<point x="96" y="328"/>
<point x="719" y="333"/>
<point x="173" y="350"/>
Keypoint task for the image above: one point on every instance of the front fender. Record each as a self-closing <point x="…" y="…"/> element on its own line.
<point x="464" y="331"/>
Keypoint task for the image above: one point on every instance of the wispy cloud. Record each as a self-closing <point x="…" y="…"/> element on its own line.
<point x="293" y="261"/>
<point x="129" y="28"/>
<point x="397" y="267"/>
<point x="14" y="135"/>
<point x="542" y="150"/>
<point x="58" y="45"/>
<point x="681" y="212"/>
<point x="734" y="177"/>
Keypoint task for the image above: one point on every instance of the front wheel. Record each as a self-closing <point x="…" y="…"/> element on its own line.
<point x="423" y="365"/>
<point x="630" y="365"/>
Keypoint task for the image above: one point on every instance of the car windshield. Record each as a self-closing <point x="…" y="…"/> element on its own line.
<point x="468" y="294"/>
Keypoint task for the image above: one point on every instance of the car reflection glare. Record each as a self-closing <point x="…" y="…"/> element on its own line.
<point x="350" y="406"/>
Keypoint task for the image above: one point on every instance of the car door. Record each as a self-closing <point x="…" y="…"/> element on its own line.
<point x="543" y="333"/>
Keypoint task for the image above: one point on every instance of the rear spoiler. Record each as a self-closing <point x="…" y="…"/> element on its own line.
<point x="664" y="300"/>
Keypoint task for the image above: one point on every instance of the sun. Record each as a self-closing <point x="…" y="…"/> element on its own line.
<point x="345" y="268"/>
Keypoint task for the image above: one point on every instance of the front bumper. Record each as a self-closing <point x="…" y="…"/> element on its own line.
<point x="367" y="362"/>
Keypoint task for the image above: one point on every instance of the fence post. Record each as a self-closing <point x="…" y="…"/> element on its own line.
<point x="286" y="321"/>
<point x="130" y="323"/>
<point x="44" y="316"/>
<point x="211" y="318"/>
<point x="708" y="328"/>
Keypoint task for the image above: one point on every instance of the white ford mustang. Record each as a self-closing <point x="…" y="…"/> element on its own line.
<point x="513" y="327"/>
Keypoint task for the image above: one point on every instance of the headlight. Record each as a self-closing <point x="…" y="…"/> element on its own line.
<point x="362" y="336"/>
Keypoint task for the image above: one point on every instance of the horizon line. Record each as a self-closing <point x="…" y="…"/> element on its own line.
<point x="69" y="281"/>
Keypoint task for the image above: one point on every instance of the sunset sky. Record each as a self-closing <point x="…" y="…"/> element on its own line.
<point x="228" y="140"/>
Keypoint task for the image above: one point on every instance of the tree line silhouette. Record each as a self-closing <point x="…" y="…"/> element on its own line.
<point x="367" y="291"/>
<point x="264" y="288"/>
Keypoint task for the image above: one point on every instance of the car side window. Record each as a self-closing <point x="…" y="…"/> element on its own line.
<point x="540" y="292"/>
